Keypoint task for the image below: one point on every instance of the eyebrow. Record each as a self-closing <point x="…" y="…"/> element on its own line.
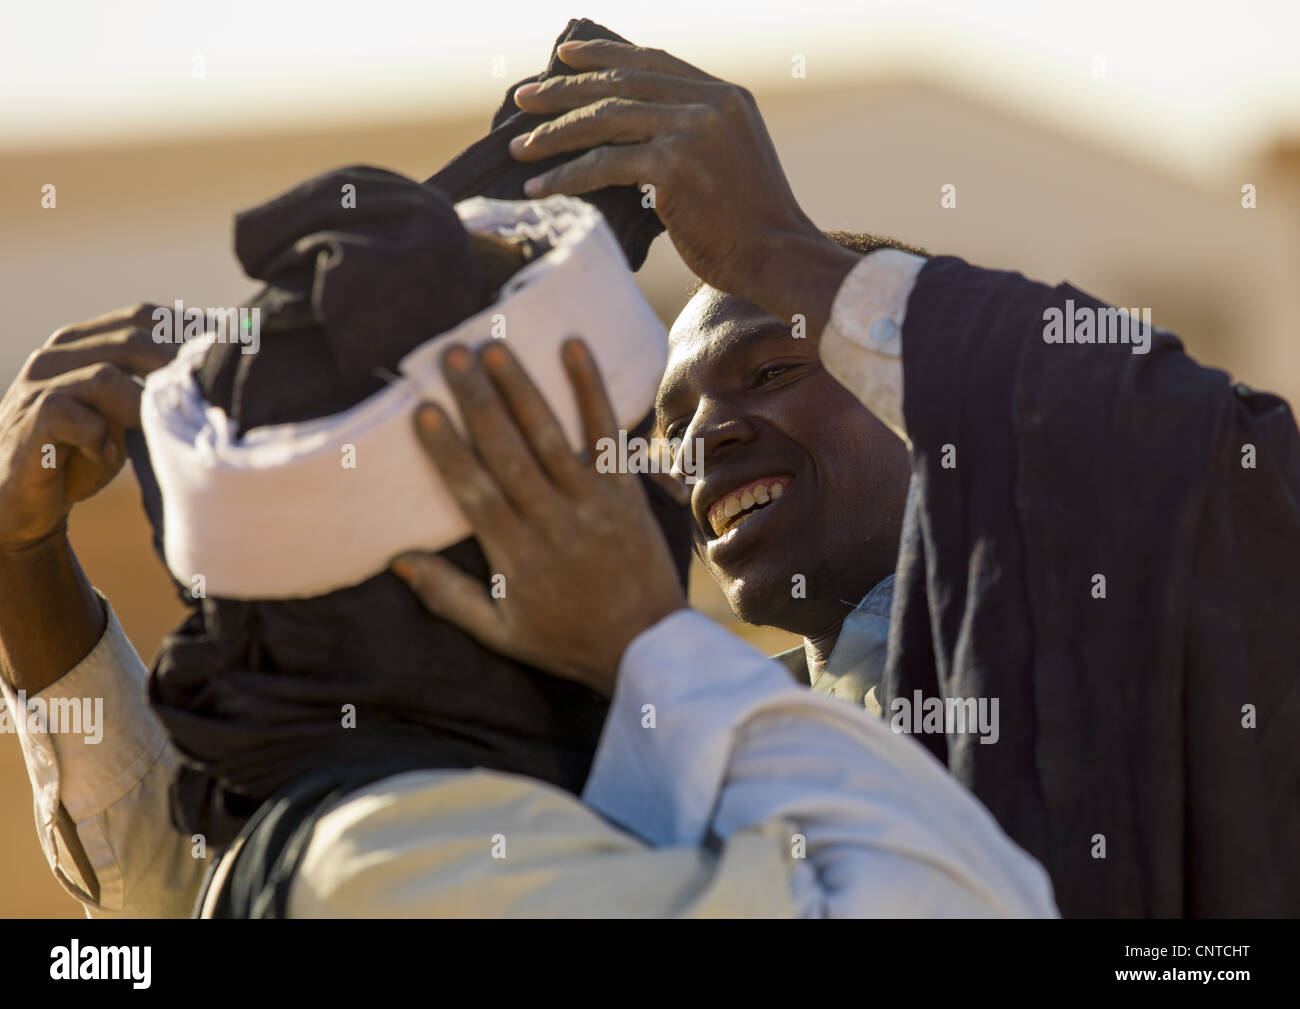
<point x="740" y="342"/>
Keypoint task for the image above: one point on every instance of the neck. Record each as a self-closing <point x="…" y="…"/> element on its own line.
<point x="817" y="649"/>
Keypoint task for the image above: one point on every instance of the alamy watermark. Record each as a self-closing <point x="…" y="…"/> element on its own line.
<point x="684" y="459"/>
<point x="934" y="715"/>
<point x="1098" y="325"/>
<point x="81" y="716"/>
<point x="75" y="962"/>
<point x="179" y="324"/>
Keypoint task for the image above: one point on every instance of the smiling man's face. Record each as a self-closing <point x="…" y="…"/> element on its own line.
<point x="798" y="478"/>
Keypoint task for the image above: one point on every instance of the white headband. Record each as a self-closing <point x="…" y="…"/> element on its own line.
<point x="279" y="514"/>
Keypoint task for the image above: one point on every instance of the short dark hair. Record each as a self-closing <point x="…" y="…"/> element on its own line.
<point x="857" y="241"/>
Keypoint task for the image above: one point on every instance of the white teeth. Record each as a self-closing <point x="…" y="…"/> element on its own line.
<point x="721" y="514"/>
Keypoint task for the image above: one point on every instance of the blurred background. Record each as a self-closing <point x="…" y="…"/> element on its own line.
<point x="1106" y="143"/>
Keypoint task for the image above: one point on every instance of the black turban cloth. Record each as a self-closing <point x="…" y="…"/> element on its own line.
<point x="487" y="169"/>
<point x="253" y="693"/>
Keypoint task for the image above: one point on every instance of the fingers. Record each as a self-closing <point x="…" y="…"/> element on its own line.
<point x="104" y="388"/>
<point x="449" y="593"/>
<point x="131" y="350"/>
<point x="561" y="94"/>
<point x="608" y="121"/>
<point x="605" y="166"/>
<point x="63" y="420"/>
<point x="136" y="317"/>
<point x="477" y="494"/>
<point x="601" y="54"/>
<point x="496" y="438"/>
<point x="598" y="419"/>
<point x="533" y="415"/>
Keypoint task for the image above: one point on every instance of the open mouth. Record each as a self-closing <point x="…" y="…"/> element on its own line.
<point x="737" y="506"/>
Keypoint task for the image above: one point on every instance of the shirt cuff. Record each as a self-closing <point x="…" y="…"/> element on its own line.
<point x="861" y="345"/>
<point x="685" y="686"/>
<point x="89" y="737"/>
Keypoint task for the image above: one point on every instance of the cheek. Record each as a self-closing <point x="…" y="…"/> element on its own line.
<point x="862" y="466"/>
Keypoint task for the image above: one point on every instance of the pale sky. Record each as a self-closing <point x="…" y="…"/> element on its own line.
<point x="1191" y="85"/>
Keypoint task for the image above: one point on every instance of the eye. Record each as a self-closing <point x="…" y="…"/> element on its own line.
<point x="673" y="430"/>
<point x="770" y="373"/>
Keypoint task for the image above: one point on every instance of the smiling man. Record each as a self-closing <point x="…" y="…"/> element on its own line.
<point x="798" y="515"/>
<point x="1095" y="538"/>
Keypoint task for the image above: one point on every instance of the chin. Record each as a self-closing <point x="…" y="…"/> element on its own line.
<point x="760" y="601"/>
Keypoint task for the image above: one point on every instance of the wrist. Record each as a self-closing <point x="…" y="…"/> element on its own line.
<point x="604" y="678"/>
<point x="50" y="617"/>
<point x="799" y="275"/>
<point x="24" y="554"/>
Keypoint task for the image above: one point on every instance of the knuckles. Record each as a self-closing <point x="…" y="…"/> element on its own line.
<point x="616" y="75"/>
<point x="607" y="105"/>
<point x="32" y="365"/>
<point x="103" y="376"/>
<point x="142" y="313"/>
<point x="732" y="100"/>
<point x="138" y="315"/>
<point x="673" y="154"/>
<point x="551" y="444"/>
<point x="47" y="406"/>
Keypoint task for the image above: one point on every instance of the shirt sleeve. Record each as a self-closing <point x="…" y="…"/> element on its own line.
<point x="707" y="739"/>
<point x="100" y="794"/>
<point x="861" y="345"/>
<point x="481" y="844"/>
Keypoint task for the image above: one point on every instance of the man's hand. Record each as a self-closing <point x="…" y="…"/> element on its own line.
<point x="644" y="117"/>
<point x="586" y="568"/>
<point x="62" y="438"/>
<point x="63" y="421"/>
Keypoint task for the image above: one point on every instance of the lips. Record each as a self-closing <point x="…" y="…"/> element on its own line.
<point x="737" y="505"/>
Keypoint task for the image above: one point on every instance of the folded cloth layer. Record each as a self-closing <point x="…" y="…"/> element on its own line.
<point x="383" y="495"/>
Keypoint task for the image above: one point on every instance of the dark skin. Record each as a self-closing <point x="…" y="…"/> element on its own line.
<point x="638" y="116"/>
<point x="564" y="535"/>
<point x="763" y="406"/>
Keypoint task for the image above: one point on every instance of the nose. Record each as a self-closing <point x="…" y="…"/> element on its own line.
<point x="716" y="431"/>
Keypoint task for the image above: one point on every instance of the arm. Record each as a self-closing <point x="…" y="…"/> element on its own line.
<point x="101" y="795"/>
<point x="62" y="439"/>
<point x="877" y="826"/>
<point x="50" y="617"/>
<point x="1116" y="493"/>
<point x="809" y="808"/>
<point x="100" y="803"/>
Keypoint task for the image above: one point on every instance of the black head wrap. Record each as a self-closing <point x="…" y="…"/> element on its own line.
<point x="258" y="694"/>
<point x="487" y="169"/>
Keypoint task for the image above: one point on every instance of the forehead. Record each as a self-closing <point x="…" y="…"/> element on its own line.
<point x="709" y="329"/>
